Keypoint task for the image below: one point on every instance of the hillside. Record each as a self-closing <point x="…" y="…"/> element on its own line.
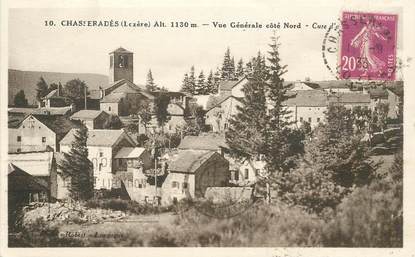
<point x="27" y="80"/>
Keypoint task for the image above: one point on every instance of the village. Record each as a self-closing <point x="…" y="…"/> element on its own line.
<point x="39" y="137"/>
<point x="117" y="158"/>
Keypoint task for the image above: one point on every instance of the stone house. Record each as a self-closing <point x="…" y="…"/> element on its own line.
<point x="41" y="166"/>
<point x="132" y="157"/>
<point x="183" y="174"/>
<point x="307" y="106"/>
<point x="92" y="119"/>
<point x="38" y="132"/>
<point x="191" y="172"/>
<point x="123" y="98"/>
<point x="245" y="173"/>
<point x="103" y="146"/>
<point x="218" y="115"/>
<point x="55" y="99"/>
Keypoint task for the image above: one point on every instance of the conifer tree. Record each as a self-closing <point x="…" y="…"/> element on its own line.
<point x="201" y="84"/>
<point x="20" y="99"/>
<point x="78" y="167"/>
<point x="216" y="80"/>
<point x="210" y="84"/>
<point x="247" y="135"/>
<point x="192" y="80"/>
<point x="185" y="84"/>
<point x="228" y="66"/>
<point x="240" y="69"/>
<point x="278" y="149"/>
<point x="42" y="89"/>
<point x="150" y="85"/>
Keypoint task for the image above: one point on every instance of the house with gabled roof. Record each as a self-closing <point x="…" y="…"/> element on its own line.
<point x="40" y="168"/>
<point x="191" y="172"/>
<point x="219" y="114"/>
<point x="103" y="145"/>
<point x="92" y="119"/>
<point x="37" y="132"/>
<point x="307" y="106"/>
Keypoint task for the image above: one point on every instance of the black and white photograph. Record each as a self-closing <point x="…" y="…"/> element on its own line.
<point x="264" y="125"/>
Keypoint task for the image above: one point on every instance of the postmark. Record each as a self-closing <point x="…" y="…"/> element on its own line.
<point x="368" y="46"/>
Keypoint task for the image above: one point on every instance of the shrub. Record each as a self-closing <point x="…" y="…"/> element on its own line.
<point x="127" y="206"/>
<point x="41" y="234"/>
<point x="371" y="216"/>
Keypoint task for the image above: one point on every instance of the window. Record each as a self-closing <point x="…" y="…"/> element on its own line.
<point x="175" y="184"/>
<point x="102" y="154"/>
<point x="111" y="61"/>
<point x="18" y="150"/>
<point x="318" y="119"/>
<point x="43" y="139"/>
<point x="185" y="185"/>
<point x="236" y="175"/>
<point x="301" y="118"/>
<point x="119" y="162"/>
<point x="256" y="172"/>
<point x="309" y="119"/>
<point x="246" y="174"/>
<point x="19" y="139"/>
<point x="109" y="108"/>
<point x="100" y="167"/>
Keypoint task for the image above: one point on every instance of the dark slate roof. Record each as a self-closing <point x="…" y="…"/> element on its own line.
<point x="97" y="137"/>
<point x="308" y="98"/>
<point x="120" y="50"/>
<point x="188" y="161"/>
<point x="86" y="114"/>
<point x="214" y="100"/>
<point x="210" y="142"/>
<point x="346" y="98"/>
<point x="378" y="93"/>
<point x="227" y="85"/>
<point x="19" y="180"/>
<point x="333" y="84"/>
<point x="138" y="88"/>
<point x="14" y="119"/>
<point x="42" y="111"/>
<point x="58" y="124"/>
<point x="113" y="98"/>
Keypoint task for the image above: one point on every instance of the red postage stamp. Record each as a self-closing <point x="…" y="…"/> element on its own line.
<point x="368" y="46"/>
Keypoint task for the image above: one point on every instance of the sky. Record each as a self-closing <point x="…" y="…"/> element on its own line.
<point x="168" y="52"/>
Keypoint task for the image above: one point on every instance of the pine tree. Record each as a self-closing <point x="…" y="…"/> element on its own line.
<point x="192" y="80"/>
<point x="201" y="84"/>
<point x="185" y="84"/>
<point x="228" y="66"/>
<point x="240" y="69"/>
<point x="150" y="85"/>
<point x="78" y="167"/>
<point x="247" y="135"/>
<point x="20" y="99"/>
<point x="216" y="80"/>
<point x="42" y="89"/>
<point x="210" y="84"/>
<point x="278" y="149"/>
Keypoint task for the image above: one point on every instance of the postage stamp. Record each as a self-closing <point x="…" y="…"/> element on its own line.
<point x="368" y="46"/>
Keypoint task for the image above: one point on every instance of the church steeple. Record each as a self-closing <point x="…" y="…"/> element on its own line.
<point x="121" y="65"/>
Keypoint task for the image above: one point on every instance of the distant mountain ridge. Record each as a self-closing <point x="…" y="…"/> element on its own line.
<point x="27" y="81"/>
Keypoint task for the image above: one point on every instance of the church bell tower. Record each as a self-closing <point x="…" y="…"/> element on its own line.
<point x="121" y="65"/>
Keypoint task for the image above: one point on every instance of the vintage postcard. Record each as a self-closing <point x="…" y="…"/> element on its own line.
<point x="249" y="128"/>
